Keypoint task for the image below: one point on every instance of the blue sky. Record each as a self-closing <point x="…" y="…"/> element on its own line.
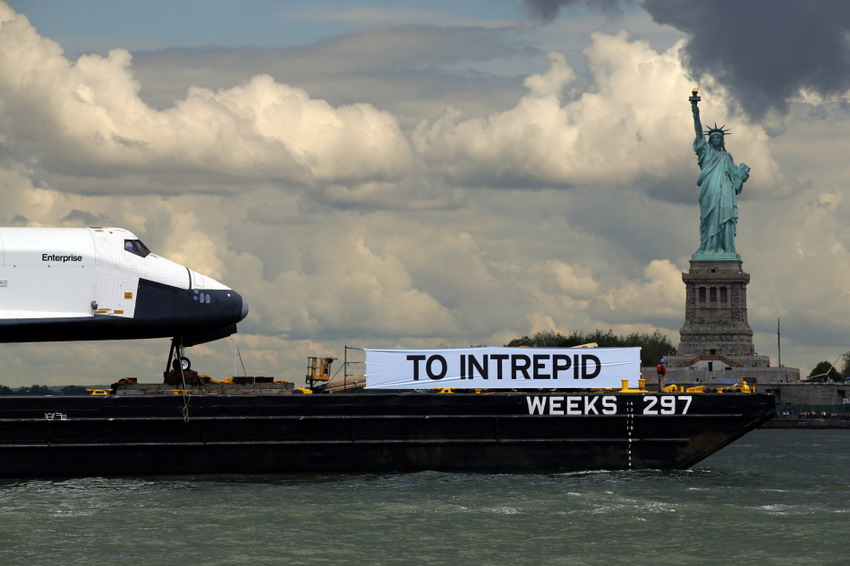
<point x="158" y="24"/>
<point x="416" y="174"/>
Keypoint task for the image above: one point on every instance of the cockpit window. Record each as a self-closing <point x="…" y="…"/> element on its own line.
<point x="136" y="247"/>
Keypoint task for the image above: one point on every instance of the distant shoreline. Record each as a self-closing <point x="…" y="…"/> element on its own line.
<point x="806" y="422"/>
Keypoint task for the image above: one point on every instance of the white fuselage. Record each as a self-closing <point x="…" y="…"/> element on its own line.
<point x="51" y="274"/>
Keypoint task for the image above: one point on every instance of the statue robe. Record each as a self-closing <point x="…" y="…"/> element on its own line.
<point x="720" y="181"/>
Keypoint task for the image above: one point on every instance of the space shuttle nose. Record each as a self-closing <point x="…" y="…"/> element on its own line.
<point x="244" y="309"/>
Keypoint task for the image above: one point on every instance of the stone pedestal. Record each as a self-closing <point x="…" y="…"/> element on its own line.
<point x="716" y="340"/>
<point x="716" y="310"/>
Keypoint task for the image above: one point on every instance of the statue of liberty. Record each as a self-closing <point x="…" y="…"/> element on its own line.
<point x="720" y="181"/>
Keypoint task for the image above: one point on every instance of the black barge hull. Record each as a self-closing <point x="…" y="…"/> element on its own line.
<point x="387" y="432"/>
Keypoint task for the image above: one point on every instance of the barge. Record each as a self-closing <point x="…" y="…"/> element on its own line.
<point x="186" y="431"/>
<point x="508" y="410"/>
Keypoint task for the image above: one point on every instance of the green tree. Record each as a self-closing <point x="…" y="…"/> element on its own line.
<point x="74" y="390"/>
<point x="652" y="346"/>
<point x="35" y="390"/>
<point x="6" y="390"/>
<point x="824" y="371"/>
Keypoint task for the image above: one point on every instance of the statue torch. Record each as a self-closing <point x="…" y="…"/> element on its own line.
<point x="694" y="96"/>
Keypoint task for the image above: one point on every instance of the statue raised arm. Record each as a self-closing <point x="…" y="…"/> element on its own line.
<point x="720" y="181"/>
<point x="695" y="111"/>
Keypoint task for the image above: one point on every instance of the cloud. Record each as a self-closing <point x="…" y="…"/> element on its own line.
<point x="547" y="10"/>
<point x="632" y="124"/>
<point x="357" y="289"/>
<point x="82" y="125"/>
<point x="658" y="298"/>
<point x="413" y="71"/>
<point x="573" y="280"/>
<point x="765" y="53"/>
<point x="97" y="136"/>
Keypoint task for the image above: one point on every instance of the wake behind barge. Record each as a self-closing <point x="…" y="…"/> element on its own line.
<point x="286" y="431"/>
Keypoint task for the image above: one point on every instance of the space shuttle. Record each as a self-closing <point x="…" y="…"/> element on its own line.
<point x="59" y="284"/>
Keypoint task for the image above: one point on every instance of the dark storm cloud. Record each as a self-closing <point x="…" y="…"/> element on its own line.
<point x="547" y="10"/>
<point x="765" y="52"/>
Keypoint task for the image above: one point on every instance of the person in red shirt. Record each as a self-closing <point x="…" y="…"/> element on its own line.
<point x="661" y="368"/>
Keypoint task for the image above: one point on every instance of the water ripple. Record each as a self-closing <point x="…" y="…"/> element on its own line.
<point x="777" y="498"/>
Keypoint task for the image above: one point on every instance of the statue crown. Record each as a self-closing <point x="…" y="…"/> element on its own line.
<point x="722" y="130"/>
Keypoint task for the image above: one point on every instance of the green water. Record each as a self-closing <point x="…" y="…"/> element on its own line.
<point x="774" y="497"/>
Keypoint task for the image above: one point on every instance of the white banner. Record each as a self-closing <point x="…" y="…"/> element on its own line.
<point x="502" y="368"/>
